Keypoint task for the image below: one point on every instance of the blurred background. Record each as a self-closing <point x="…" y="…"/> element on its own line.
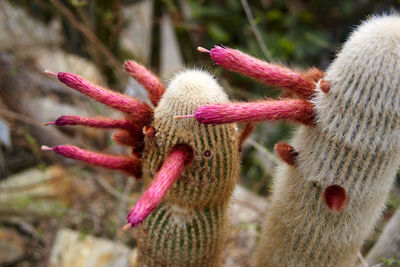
<point x="59" y="212"/>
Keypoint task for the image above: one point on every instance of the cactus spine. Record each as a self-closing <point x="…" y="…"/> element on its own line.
<point x="328" y="196"/>
<point x="190" y="226"/>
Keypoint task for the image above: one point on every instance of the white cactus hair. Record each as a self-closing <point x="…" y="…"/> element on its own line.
<point x="354" y="144"/>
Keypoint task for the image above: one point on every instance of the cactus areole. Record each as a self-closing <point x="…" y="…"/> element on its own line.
<point x="342" y="162"/>
<point x="189" y="169"/>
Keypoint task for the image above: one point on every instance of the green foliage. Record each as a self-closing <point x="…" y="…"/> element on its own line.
<point x="390" y="261"/>
<point x="392" y="203"/>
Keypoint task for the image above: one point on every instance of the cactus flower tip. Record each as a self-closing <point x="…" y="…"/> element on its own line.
<point x="202" y="49"/>
<point x="48" y="123"/>
<point x="183" y="117"/>
<point x="49" y="72"/>
<point x="136" y="217"/>
<point x="46" y="148"/>
<point x="126" y="227"/>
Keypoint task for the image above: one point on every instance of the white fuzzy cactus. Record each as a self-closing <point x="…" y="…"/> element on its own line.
<point x="342" y="163"/>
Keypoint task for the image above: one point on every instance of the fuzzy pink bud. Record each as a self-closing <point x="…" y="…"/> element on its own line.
<point x="265" y="72"/>
<point x="298" y="110"/>
<point x="110" y="98"/>
<point x="128" y="164"/>
<point x="150" y="82"/>
<point x="71" y="120"/>
<point x="169" y="172"/>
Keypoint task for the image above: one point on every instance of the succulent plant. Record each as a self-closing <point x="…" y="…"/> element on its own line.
<point x="341" y="163"/>
<point x="189" y="169"/>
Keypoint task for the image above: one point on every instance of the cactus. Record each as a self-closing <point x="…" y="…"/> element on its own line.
<point x="189" y="169"/>
<point x="341" y="163"/>
<point x="190" y="226"/>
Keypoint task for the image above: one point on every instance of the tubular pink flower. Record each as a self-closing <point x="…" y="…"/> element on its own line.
<point x="298" y="110"/>
<point x="265" y="72"/>
<point x="128" y="164"/>
<point x="169" y="172"/>
<point x="93" y="122"/>
<point x="151" y="83"/>
<point x="113" y="99"/>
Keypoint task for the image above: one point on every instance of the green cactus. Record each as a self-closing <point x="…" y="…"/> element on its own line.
<point x="190" y="226"/>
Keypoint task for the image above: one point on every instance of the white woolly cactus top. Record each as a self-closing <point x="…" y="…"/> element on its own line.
<point x="189" y="89"/>
<point x="364" y="91"/>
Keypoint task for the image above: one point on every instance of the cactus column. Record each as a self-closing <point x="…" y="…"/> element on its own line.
<point x="190" y="226"/>
<point x="337" y="174"/>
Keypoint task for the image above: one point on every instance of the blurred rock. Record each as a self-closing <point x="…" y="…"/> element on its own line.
<point x="135" y="89"/>
<point x="247" y="207"/>
<point x="5" y="138"/>
<point x="171" y="58"/>
<point x="23" y="34"/>
<point x="11" y="247"/>
<point x="387" y="248"/>
<point x="40" y="193"/>
<point x="72" y="248"/>
<point x="136" y="35"/>
<point x="48" y="109"/>
<point x="246" y="213"/>
<point x="58" y="60"/>
<point x="22" y="91"/>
